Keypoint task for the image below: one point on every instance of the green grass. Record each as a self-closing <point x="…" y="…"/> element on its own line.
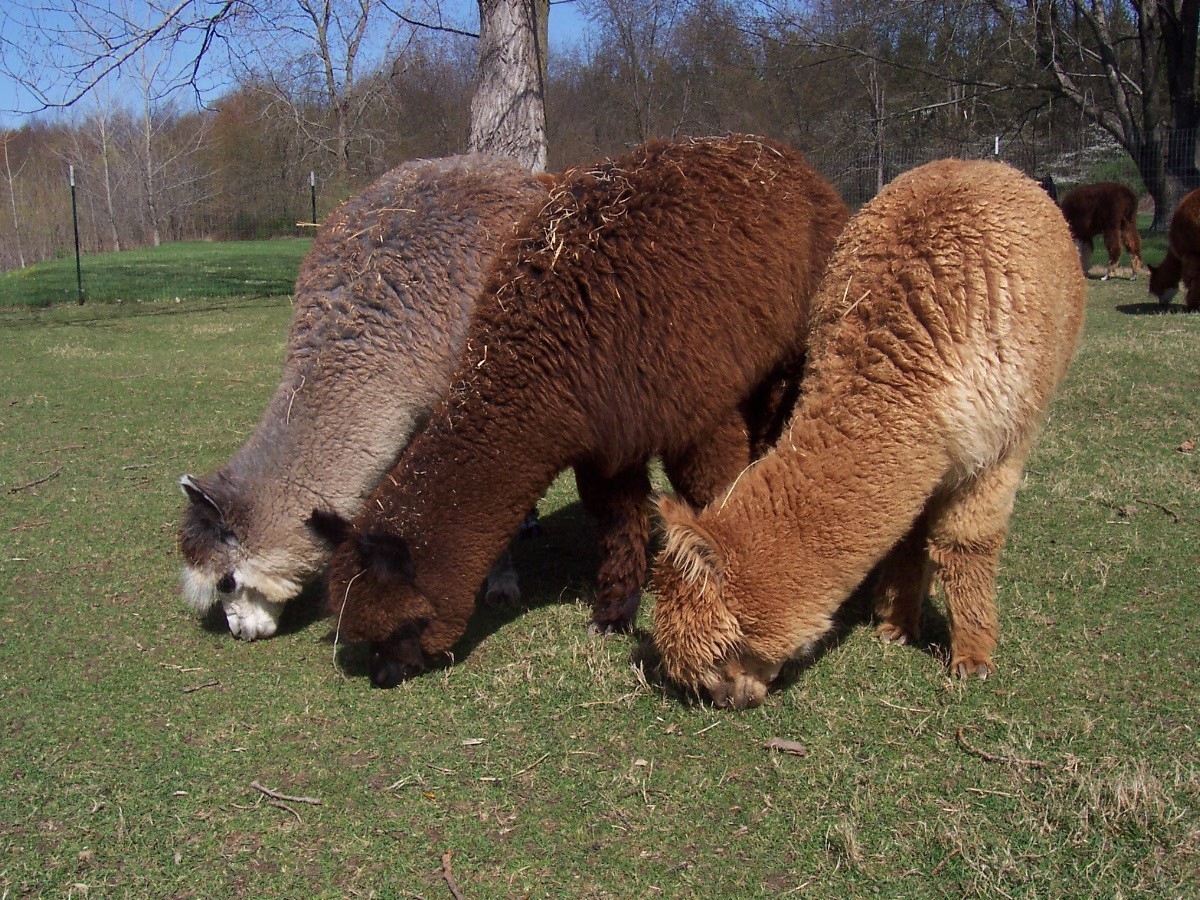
<point x="188" y="271"/>
<point x="549" y="763"/>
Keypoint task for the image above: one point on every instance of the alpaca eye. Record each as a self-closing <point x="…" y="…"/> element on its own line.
<point x="228" y="584"/>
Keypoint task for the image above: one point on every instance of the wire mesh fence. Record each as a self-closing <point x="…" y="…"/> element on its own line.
<point x="271" y="201"/>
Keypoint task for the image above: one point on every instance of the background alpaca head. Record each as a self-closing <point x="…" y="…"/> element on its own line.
<point x="380" y="563"/>
<point x="1164" y="279"/>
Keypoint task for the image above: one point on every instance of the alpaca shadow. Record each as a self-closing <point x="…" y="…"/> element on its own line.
<point x="1151" y="308"/>
<point x="857" y="611"/>
<point x="555" y="566"/>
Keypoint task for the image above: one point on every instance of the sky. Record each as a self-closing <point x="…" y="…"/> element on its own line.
<point x="567" y="26"/>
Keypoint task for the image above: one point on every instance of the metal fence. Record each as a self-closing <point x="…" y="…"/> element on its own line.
<point x="860" y="168"/>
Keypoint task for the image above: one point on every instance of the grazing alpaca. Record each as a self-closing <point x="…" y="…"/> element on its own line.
<point x="945" y="323"/>
<point x="1182" y="261"/>
<point x="382" y="304"/>
<point x="1109" y="209"/>
<point x="652" y="307"/>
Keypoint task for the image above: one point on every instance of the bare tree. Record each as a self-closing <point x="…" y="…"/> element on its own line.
<point x="1130" y="68"/>
<point x="100" y="122"/>
<point x="508" y="110"/>
<point x="10" y="179"/>
<point x="59" y="58"/>
<point x="639" y="29"/>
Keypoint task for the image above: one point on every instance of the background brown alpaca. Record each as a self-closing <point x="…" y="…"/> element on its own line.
<point x="943" y="327"/>
<point x="1182" y="261"/>
<point x="651" y="307"/>
<point x="1108" y="209"/>
<point x="382" y="303"/>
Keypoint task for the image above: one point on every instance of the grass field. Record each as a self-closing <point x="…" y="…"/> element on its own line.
<point x="190" y="271"/>
<point x="547" y="763"/>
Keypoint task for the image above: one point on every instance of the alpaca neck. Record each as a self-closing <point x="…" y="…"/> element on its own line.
<point x="837" y="493"/>
<point x="459" y="494"/>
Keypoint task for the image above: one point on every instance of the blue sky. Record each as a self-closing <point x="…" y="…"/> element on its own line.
<point x="567" y="26"/>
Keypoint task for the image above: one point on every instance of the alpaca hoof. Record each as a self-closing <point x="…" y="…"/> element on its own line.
<point x="740" y="692"/>
<point x="965" y="668"/>
<point x="617" y="618"/>
<point x="891" y="633"/>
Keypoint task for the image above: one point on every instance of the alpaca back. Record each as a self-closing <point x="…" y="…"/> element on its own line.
<point x="1091" y="209"/>
<point x="958" y="292"/>
<point x="654" y="292"/>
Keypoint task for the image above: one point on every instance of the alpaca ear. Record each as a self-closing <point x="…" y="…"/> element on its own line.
<point x="329" y="527"/>
<point x="203" y="501"/>
<point x="689" y="547"/>
<point x="388" y="556"/>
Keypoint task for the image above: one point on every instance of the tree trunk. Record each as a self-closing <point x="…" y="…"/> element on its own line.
<point x="12" y="200"/>
<point x="102" y="124"/>
<point x="508" y="111"/>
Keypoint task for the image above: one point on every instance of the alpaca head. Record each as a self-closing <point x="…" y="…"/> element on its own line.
<point x="700" y="639"/>
<point x="249" y="563"/>
<point x="1164" y="283"/>
<point x="373" y="596"/>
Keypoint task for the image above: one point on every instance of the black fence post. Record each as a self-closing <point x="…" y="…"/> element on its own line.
<point x="312" y="184"/>
<point x="75" y="223"/>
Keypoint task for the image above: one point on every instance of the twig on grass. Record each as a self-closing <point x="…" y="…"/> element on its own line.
<point x="449" y="875"/>
<point x="27" y="485"/>
<point x="200" y="687"/>
<point x="992" y="757"/>
<point x="949" y="856"/>
<point x="1170" y="512"/>
<point x="275" y="795"/>
<point x="537" y="762"/>
<point x="278" y="805"/>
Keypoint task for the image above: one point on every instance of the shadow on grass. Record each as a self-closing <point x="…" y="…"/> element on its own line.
<point x="298" y="615"/>
<point x="1152" y="308"/>
<point x="856" y="612"/>
<point x="560" y="566"/>
<point x="556" y="567"/>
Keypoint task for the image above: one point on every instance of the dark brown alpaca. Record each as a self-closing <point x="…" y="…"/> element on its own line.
<point x="1108" y="209"/>
<point x="1182" y="262"/>
<point x="652" y="307"/>
<point x="383" y="300"/>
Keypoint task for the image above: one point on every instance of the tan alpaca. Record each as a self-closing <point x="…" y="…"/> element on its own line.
<point x="942" y="329"/>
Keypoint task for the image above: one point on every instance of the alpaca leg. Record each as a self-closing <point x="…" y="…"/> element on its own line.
<point x="903" y="586"/>
<point x="1085" y="255"/>
<point x="1191" y="283"/>
<point x="502" y="586"/>
<point x="707" y="468"/>
<point x="1133" y="243"/>
<point x="1112" y="243"/>
<point x="966" y="535"/>
<point x="619" y="506"/>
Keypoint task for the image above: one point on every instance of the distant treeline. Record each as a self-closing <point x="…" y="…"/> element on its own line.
<point x="158" y="172"/>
